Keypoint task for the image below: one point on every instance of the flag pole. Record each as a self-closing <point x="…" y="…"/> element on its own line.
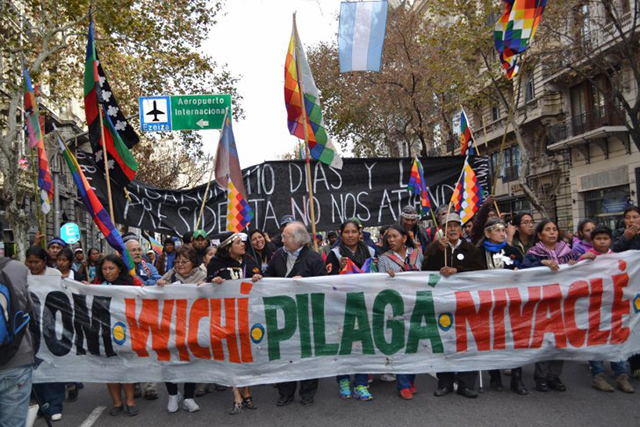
<point x="446" y="225"/>
<point x="486" y="143"/>
<point x="105" y="159"/>
<point x="306" y="140"/>
<point x="206" y="191"/>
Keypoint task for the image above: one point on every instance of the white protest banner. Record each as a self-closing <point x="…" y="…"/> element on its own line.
<point x="275" y="330"/>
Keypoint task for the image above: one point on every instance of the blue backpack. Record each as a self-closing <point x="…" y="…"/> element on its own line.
<point x="13" y="319"/>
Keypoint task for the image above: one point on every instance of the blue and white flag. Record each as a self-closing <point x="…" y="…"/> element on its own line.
<point x="361" y="35"/>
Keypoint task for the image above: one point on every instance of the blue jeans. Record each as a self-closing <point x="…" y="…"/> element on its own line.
<point x="15" y="389"/>
<point x="405" y="380"/>
<point x="360" y="379"/>
<point x="51" y="396"/>
<point x="597" y="367"/>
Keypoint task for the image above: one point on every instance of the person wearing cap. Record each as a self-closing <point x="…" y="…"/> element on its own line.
<point x="460" y="256"/>
<point x="167" y="257"/>
<point x="296" y="259"/>
<point x="78" y="259"/>
<point x="151" y="256"/>
<point x="409" y="218"/>
<point x="496" y="254"/>
<point x="231" y="262"/>
<point x="284" y="221"/>
<point x="54" y="246"/>
<point x="200" y="243"/>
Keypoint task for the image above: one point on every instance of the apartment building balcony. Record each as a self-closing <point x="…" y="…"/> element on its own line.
<point x="595" y="127"/>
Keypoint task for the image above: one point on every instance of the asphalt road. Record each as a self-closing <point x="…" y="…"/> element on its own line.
<point x="579" y="406"/>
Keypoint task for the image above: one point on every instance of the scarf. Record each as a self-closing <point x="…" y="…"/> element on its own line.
<point x="359" y="257"/>
<point x="494" y="247"/>
<point x="561" y="252"/>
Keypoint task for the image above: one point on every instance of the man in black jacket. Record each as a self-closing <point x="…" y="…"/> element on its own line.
<point x="296" y="259"/>
<point x="461" y="256"/>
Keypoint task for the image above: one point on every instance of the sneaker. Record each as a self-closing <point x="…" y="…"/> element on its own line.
<point x="389" y="378"/>
<point x="56" y="417"/>
<point x="361" y="392"/>
<point x="174" y="400"/>
<point x="406" y="394"/>
<point x="190" y="405"/>
<point x="623" y="383"/>
<point x="345" y="389"/>
<point x="413" y="389"/>
<point x="599" y="383"/>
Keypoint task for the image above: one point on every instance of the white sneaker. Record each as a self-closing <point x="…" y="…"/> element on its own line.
<point x="56" y="417"/>
<point x="173" y="402"/>
<point x="389" y="378"/>
<point x="190" y="405"/>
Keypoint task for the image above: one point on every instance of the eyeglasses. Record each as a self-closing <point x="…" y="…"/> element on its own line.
<point x="182" y="262"/>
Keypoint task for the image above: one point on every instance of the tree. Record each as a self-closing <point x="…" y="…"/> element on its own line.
<point x="144" y="50"/>
<point x="381" y="112"/>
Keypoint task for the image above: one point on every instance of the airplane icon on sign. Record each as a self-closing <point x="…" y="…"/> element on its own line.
<point x="155" y="112"/>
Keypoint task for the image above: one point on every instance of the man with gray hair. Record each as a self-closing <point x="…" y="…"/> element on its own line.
<point x="296" y="259"/>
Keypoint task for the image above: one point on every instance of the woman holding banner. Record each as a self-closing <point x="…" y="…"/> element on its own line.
<point x="260" y="249"/>
<point x="399" y="253"/>
<point x="185" y="270"/>
<point x="113" y="271"/>
<point x="50" y="394"/>
<point x="551" y="251"/>
<point x="351" y="255"/>
<point x="232" y="263"/>
<point x="520" y="232"/>
<point x="496" y="254"/>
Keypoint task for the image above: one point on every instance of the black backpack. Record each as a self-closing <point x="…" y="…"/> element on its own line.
<point x="14" y="318"/>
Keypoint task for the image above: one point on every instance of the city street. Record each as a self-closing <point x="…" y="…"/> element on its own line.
<point x="579" y="406"/>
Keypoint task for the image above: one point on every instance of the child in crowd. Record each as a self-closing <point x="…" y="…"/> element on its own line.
<point x="601" y="239"/>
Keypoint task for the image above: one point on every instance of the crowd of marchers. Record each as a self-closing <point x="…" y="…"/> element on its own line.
<point x="486" y="242"/>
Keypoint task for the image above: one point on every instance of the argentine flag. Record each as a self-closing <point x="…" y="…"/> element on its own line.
<point x="361" y="35"/>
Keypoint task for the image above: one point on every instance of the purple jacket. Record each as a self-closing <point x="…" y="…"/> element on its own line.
<point x="580" y="247"/>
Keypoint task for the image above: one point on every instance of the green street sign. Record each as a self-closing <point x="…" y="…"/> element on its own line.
<point x="183" y="112"/>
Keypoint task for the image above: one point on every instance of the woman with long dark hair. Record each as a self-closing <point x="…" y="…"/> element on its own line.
<point x="89" y="270"/>
<point x="354" y="255"/>
<point x="582" y="241"/>
<point x="231" y="263"/>
<point x="113" y="271"/>
<point x="629" y="236"/>
<point x="50" y="394"/>
<point x="549" y="250"/>
<point x="520" y="232"/>
<point x="260" y="249"/>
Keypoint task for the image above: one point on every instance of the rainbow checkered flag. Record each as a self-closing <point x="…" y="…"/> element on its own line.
<point x="417" y="185"/>
<point x="300" y="92"/>
<point x="239" y="212"/>
<point x="467" y="196"/>
<point x="515" y="29"/>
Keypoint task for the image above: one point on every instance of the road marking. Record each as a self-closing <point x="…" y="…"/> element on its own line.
<point x="93" y="417"/>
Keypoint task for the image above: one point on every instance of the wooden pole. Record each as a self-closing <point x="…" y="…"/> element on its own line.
<point x="446" y="225"/>
<point x="206" y="191"/>
<point x="306" y="140"/>
<point x="105" y="158"/>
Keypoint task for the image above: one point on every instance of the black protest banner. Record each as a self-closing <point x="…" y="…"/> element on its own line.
<point x="374" y="190"/>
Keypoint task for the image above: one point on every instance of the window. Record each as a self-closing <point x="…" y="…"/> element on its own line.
<point x="495" y="112"/>
<point x="605" y="206"/>
<point x="511" y="161"/>
<point x="582" y="27"/>
<point x="530" y="92"/>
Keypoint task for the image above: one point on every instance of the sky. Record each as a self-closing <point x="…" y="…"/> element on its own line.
<point x="252" y="38"/>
